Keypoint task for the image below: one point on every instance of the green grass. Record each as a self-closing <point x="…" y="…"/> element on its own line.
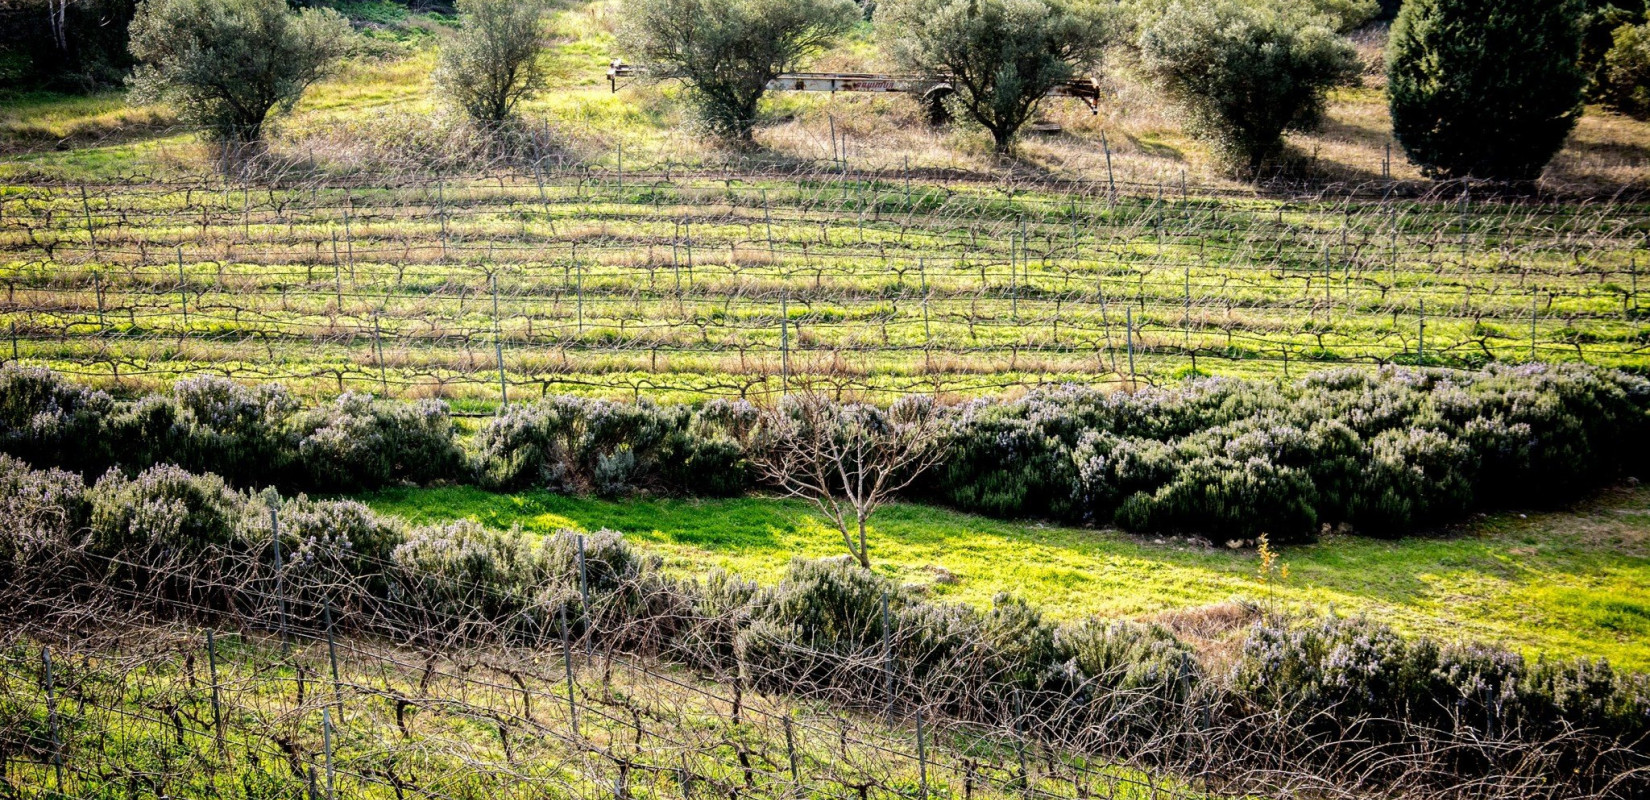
<point x="1562" y="584"/>
<point x="476" y="723"/>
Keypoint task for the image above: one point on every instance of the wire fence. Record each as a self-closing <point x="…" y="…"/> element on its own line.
<point x="322" y="672"/>
<point x="688" y="285"/>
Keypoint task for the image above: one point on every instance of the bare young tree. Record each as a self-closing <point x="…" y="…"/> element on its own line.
<point x="849" y="459"/>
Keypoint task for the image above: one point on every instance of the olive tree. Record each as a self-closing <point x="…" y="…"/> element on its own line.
<point x="1000" y="57"/>
<point x="1484" y="88"/>
<point x="1247" y="73"/>
<point x="1624" y="83"/>
<point x="226" y="65"/>
<point x="726" y="51"/>
<point x="492" y="62"/>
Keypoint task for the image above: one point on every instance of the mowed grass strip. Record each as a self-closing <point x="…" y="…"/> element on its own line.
<point x="1574" y="583"/>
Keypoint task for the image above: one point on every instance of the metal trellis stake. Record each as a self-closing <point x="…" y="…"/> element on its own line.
<point x="326" y="743"/>
<point x="887" y="656"/>
<point x="280" y="578"/>
<point x="567" y="664"/>
<point x="584" y="596"/>
<point x="1128" y="322"/>
<point x="51" y="716"/>
<point x="1020" y="745"/>
<point x="1421" y="334"/>
<point x="86" y="205"/>
<point x="1533" y="297"/>
<point x="1111" y="182"/>
<point x="332" y="656"/>
<point x="498" y="348"/>
<point x="183" y="294"/>
<point x="922" y="760"/>
<point x="790" y="752"/>
<point x="217" y="709"/>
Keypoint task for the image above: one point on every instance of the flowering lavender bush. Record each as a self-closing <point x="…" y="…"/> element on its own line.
<point x="571" y="444"/>
<point x="359" y="442"/>
<point x="42" y="518"/>
<point x="1383" y="451"/>
<point x="163" y="512"/>
<point x="1325" y="672"/>
<point x="52" y="422"/>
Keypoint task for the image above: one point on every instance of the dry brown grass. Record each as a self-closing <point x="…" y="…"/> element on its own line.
<point x="1148" y="141"/>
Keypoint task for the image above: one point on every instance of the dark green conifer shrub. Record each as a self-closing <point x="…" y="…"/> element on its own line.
<point x="1485" y="88"/>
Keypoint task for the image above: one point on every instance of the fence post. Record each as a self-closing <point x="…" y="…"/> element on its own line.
<point x="584" y="597"/>
<point x="217" y="709"/>
<point x="767" y="220"/>
<point x="183" y="293"/>
<point x="784" y="346"/>
<point x="86" y="205"/>
<point x="887" y="656"/>
<point x="1533" y="297"/>
<point x="1013" y="280"/>
<point x="349" y="239"/>
<point x="790" y="752"/>
<point x="1633" y="277"/>
<point x="1186" y="314"/>
<point x="441" y="213"/>
<point x="922" y="275"/>
<point x="97" y="288"/>
<point x="274" y="500"/>
<point x="922" y="760"/>
<point x="378" y="344"/>
<point x="498" y="347"/>
<point x="1020" y="745"/>
<point x="1128" y="322"/>
<point x="51" y="713"/>
<point x="337" y="276"/>
<point x="567" y="663"/>
<point x="1421" y="334"/>
<point x="908" y="184"/>
<point x="332" y="656"/>
<point x="1111" y="182"/>
<point x="326" y="743"/>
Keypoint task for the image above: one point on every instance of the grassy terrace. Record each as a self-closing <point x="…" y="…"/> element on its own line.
<point x="689" y="288"/>
<point x="1571" y="583"/>
<point x="631" y="256"/>
<point x="386" y="723"/>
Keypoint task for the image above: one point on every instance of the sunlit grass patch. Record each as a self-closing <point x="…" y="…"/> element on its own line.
<point x="1564" y="584"/>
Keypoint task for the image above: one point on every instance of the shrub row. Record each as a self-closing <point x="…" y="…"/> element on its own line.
<point x="245" y="434"/>
<point x="1383" y="451"/>
<point x="1340" y="689"/>
<point x="261" y="435"/>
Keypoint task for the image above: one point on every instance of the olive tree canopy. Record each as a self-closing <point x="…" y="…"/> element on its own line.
<point x="227" y="64"/>
<point x="492" y="62"/>
<point x="726" y="51"/>
<point x="1246" y="73"/>
<point x="1000" y="56"/>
